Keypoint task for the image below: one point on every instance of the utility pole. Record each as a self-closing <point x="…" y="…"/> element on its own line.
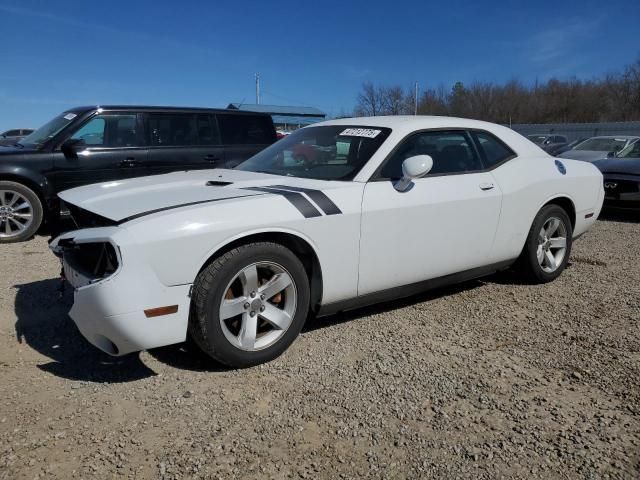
<point x="257" y="89"/>
<point x="415" y="109"/>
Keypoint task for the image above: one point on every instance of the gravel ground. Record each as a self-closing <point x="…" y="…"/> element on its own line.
<point x="488" y="379"/>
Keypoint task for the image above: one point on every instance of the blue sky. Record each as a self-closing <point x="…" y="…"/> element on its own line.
<point x="55" y="55"/>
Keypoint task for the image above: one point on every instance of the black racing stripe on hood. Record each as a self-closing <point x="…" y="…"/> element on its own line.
<point x="171" y="207"/>
<point x="318" y="196"/>
<point x="304" y="206"/>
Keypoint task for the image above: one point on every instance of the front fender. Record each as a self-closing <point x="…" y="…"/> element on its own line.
<point x="239" y="236"/>
<point x="15" y="172"/>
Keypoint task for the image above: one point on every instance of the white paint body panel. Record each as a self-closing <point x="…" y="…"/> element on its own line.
<point x="382" y="238"/>
<point x="424" y="233"/>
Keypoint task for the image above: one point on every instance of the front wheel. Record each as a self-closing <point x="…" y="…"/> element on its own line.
<point x="546" y="252"/>
<point x="249" y="304"/>
<point x="20" y="212"/>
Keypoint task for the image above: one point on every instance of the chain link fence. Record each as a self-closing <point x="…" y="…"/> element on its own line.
<point x="575" y="131"/>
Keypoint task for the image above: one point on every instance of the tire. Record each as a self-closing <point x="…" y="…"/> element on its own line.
<point x="223" y="312"/>
<point x="544" y="257"/>
<point x="21" y="212"/>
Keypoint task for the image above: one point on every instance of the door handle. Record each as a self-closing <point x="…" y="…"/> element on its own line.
<point x="129" y="162"/>
<point x="211" y="158"/>
<point x="486" y="186"/>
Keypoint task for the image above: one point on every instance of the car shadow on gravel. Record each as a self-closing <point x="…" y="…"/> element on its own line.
<point x="625" y="216"/>
<point x="187" y="356"/>
<point x="347" y="316"/>
<point x="43" y="323"/>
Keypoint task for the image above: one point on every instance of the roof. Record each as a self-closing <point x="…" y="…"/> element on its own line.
<point x="412" y="121"/>
<point x="402" y="125"/>
<point x="295" y="120"/>
<point x="278" y="110"/>
<point x="148" y="108"/>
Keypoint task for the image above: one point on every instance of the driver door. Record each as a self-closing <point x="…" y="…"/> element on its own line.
<point x="444" y="224"/>
<point x="113" y="150"/>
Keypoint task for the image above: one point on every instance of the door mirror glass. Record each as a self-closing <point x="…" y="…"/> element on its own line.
<point x="71" y="147"/>
<point x="412" y="168"/>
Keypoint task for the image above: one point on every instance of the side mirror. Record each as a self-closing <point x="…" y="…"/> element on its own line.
<point x="71" y="147"/>
<point x="611" y="154"/>
<point x="412" y="168"/>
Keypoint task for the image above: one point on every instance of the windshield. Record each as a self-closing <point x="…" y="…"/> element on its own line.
<point x="602" y="144"/>
<point x="537" y="138"/>
<point x="632" y="151"/>
<point x="335" y="152"/>
<point x="48" y="130"/>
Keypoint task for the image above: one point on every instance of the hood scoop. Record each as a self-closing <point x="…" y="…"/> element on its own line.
<point x="217" y="183"/>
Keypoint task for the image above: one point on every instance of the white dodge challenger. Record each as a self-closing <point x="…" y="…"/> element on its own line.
<point x="338" y="215"/>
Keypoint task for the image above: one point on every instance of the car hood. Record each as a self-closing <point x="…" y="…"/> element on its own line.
<point x="626" y="166"/>
<point x="586" y="155"/>
<point x="125" y="200"/>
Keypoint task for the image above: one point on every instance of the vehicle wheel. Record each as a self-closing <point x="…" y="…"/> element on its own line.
<point x="548" y="245"/>
<point x="20" y="212"/>
<point x="249" y="304"/>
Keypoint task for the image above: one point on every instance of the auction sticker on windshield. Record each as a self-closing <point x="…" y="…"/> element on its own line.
<point x="360" y="132"/>
<point x="70" y="116"/>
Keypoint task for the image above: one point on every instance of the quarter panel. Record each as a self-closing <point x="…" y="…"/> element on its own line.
<point x="528" y="183"/>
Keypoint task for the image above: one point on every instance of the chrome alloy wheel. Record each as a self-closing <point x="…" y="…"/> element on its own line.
<point x="258" y="306"/>
<point x="552" y="244"/>
<point x="16" y="214"/>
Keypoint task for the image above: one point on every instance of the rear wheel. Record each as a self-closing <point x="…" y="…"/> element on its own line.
<point x="20" y="212"/>
<point x="548" y="245"/>
<point x="249" y="304"/>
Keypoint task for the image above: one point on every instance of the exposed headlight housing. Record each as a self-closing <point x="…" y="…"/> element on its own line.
<point x="88" y="262"/>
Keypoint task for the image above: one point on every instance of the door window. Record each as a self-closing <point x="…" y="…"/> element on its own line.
<point x="451" y="152"/>
<point x="172" y="130"/>
<point x="494" y="150"/>
<point x="109" y="130"/>
<point x="13" y="133"/>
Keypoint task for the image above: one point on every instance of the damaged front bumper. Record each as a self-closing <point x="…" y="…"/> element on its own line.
<point x="113" y="286"/>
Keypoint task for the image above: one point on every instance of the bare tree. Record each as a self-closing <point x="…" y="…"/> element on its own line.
<point x="616" y="97"/>
<point x="369" y="102"/>
<point x="393" y="101"/>
<point x="433" y="102"/>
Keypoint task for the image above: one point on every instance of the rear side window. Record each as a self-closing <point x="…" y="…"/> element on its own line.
<point x="208" y="133"/>
<point x="12" y="133"/>
<point x="246" y="129"/>
<point x="172" y="130"/>
<point x="493" y="150"/>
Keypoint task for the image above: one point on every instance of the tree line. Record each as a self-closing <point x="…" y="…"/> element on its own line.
<point x="614" y="97"/>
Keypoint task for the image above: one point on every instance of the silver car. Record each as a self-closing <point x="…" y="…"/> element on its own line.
<point x="596" y="148"/>
<point x="10" y="137"/>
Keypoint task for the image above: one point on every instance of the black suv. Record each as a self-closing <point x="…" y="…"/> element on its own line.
<point x="95" y="144"/>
